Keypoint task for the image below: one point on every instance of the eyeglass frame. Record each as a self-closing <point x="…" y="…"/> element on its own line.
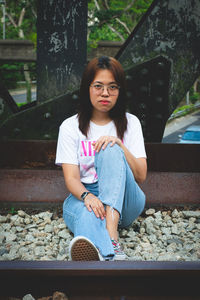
<point x="107" y="87"/>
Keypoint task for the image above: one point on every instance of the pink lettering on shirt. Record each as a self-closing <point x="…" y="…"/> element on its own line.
<point x="83" y="148"/>
<point x="87" y="148"/>
<point x="90" y="148"/>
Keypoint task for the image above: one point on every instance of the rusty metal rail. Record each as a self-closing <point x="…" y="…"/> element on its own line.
<point x="40" y="154"/>
<point x="28" y="173"/>
<point x="132" y="280"/>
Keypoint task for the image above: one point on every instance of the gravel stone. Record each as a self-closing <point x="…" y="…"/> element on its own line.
<point x="3" y="219"/>
<point x="10" y="237"/>
<point x="48" y="228"/>
<point x="150" y="211"/>
<point x="189" y="213"/>
<point x="156" y="235"/>
<point x="28" y="297"/>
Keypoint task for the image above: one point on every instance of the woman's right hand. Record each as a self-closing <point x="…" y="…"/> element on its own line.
<point x="93" y="203"/>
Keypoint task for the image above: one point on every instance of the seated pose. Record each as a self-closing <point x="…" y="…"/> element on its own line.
<point x="101" y="150"/>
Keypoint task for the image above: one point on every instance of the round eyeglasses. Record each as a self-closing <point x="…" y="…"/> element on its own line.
<point x="112" y="89"/>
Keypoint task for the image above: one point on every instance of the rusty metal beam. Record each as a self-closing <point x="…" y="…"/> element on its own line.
<point x="40" y="186"/>
<point x="27" y="154"/>
<point x="28" y="173"/>
<point x="125" y="278"/>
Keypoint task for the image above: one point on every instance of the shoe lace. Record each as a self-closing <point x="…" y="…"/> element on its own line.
<point x="117" y="247"/>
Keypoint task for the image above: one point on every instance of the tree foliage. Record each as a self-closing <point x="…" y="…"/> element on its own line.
<point x="20" y="24"/>
<point x="114" y="20"/>
<point x="21" y="19"/>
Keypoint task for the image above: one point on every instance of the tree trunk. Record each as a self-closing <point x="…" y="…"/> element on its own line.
<point x="28" y="83"/>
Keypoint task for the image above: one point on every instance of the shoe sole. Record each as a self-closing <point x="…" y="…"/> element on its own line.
<point x="120" y="257"/>
<point x="83" y="250"/>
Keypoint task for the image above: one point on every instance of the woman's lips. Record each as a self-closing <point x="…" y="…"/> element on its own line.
<point x="104" y="102"/>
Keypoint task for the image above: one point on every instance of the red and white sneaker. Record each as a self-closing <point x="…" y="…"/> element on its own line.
<point x="119" y="253"/>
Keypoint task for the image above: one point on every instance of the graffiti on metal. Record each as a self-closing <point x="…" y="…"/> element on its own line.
<point x="62" y="31"/>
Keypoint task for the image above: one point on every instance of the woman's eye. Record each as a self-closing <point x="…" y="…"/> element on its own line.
<point x="113" y="87"/>
<point x="98" y="86"/>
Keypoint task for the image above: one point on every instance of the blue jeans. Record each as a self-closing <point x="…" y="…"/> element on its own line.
<point x="117" y="188"/>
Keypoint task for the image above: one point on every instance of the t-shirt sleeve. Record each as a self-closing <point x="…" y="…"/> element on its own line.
<point x="67" y="145"/>
<point x="134" y="137"/>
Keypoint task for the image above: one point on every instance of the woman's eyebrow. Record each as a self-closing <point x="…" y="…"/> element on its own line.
<point x="103" y="83"/>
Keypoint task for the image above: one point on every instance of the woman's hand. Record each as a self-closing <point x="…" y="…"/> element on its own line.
<point x="103" y="141"/>
<point x="93" y="203"/>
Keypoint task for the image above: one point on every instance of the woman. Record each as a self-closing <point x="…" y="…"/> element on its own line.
<point x="101" y="150"/>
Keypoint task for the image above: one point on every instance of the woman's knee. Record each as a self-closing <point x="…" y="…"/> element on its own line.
<point x="110" y="153"/>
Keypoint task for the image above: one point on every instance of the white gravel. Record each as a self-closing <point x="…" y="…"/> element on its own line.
<point x="171" y="235"/>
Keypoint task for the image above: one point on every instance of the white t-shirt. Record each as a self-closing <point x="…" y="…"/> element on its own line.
<point x="74" y="148"/>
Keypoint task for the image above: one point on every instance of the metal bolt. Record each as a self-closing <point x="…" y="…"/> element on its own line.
<point x="159" y="82"/>
<point x="47" y="115"/>
<point x="129" y="94"/>
<point x="161" y="64"/>
<point x="144" y="71"/>
<point x="158" y="116"/>
<point x="129" y="77"/>
<point x="74" y="97"/>
<point x="17" y="130"/>
<point x="143" y="89"/>
<point x="159" y="99"/>
<point x="47" y="136"/>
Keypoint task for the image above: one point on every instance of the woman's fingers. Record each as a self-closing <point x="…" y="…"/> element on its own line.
<point x="103" y="142"/>
<point x="113" y="142"/>
<point x="93" y="203"/>
<point x="99" y="144"/>
<point x="96" y="212"/>
<point x="99" y="211"/>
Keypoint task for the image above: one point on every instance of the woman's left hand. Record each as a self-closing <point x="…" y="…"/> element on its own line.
<point x="103" y="142"/>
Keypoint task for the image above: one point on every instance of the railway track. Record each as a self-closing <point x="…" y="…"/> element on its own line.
<point x="27" y="168"/>
<point x="101" y="280"/>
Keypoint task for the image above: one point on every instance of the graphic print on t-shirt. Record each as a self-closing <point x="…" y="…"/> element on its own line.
<point x="87" y="149"/>
<point x="87" y="154"/>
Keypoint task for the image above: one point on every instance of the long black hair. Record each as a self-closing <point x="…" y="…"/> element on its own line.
<point x="118" y="112"/>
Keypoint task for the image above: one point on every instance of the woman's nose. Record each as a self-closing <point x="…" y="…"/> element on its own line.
<point x="105" y="91"/>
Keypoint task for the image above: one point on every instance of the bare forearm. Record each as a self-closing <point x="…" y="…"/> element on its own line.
<point x="75" y="187"/>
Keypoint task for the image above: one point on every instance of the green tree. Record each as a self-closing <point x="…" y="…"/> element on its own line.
<point x="21" y="19"/>
<point x="113" y="20"/>
<point x="20" y="24"/>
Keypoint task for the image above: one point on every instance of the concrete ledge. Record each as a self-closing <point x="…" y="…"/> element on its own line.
<point x="17" y="50"/>
<point x="161" y="188"/>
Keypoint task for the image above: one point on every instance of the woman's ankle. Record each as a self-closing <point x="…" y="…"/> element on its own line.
<point x="113" y="234"/>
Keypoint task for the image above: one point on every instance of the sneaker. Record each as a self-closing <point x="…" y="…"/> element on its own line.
<point x="82" y="249"/>
<point x="119" y="253"/>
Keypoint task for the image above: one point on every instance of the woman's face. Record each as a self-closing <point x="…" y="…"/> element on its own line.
<point x="104" y="91"/>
